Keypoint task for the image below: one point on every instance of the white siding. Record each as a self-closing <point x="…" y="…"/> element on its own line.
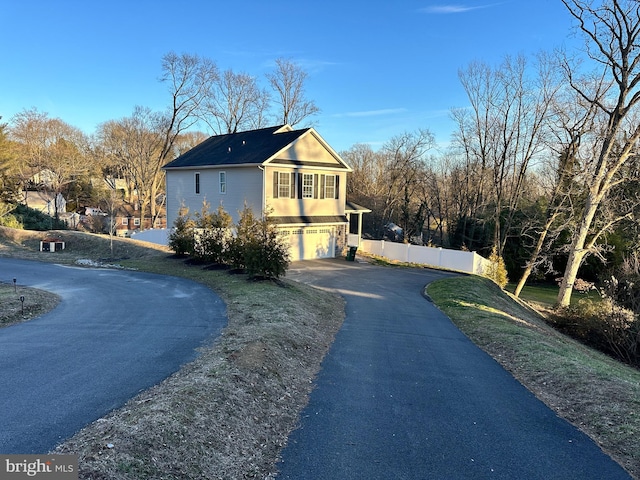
<point x="244" y="185"/>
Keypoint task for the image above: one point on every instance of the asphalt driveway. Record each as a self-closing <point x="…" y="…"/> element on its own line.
<point x="114" y="334"/>
<point x="403" y="394"/>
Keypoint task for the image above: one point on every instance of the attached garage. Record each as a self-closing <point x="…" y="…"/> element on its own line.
<point x="314" y="236"/>
<point x="312" y="242"/>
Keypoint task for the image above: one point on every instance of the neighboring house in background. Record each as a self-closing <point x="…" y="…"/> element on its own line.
<point x="43" y="178"/>
<point x="126" y="221"/>
<point x="293" y="174"/>
<point x="45" y="202"/>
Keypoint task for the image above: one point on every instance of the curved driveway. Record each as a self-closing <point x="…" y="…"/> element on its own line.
<point x="402" y="394"/>
<point x="114" y="334"/>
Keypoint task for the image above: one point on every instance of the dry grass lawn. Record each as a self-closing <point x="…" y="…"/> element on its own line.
<point x="227" y="414"/>
<point x="14" y="310"/>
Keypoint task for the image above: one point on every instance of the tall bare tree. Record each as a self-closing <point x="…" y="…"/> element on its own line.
<point x="288" y="82"/>
<point x="406" y="174"/>
<point x="571" y="120"/>
<point x="503" y="132"/>
<point x="191" y="84"/>
<point x="143" y="143"/>
<point x="611" y="31"/>
<point x="136" y="143"/>
<point x="237" y="103"/>
<point x="51" y="145"/>
<point x="367" y="183"/>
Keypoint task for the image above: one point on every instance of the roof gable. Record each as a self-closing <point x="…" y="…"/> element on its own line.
<point x="309" y="149"/>
<point x="276" y="145"/>
<point x="251" y="147"/>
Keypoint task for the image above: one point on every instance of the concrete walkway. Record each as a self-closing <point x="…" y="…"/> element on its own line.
<point x="403" y="394"/>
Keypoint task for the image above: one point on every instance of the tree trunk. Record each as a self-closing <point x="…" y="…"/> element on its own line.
<point x="577" y="253"/>
<point x="534" y="255"/>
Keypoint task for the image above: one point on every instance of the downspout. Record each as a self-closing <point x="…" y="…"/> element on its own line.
<point x="264" y="191"/>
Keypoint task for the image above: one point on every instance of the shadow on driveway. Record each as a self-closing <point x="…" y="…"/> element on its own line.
<point x="403" y="394"/>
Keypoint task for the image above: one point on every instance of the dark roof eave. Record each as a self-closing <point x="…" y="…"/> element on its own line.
<point x="214" y="167"/>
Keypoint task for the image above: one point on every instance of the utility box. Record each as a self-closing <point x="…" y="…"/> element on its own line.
<point x="51" y="245"/>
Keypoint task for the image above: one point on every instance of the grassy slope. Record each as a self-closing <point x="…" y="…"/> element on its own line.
<point x="227" y="414"/>
<point x="597" y="394"/>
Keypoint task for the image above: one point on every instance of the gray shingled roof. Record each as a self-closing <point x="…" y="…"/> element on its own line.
<point x="251" y="147"/>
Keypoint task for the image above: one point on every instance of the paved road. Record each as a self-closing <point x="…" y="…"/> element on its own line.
<point x="114" y="334"/>
<point x="403" y="394"/>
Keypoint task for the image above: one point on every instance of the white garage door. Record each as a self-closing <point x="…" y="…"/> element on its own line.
<point x="312" y="242"/>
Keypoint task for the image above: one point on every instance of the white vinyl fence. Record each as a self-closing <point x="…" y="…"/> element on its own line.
<point x="468" y="262"/>
<point x="156" y="235"/>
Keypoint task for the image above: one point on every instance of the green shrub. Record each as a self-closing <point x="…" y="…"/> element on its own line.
<point x="258" y="247"/>
<point x="181" y="238"/>
<point x="267" y="255"/>
<point x="32" y="219"/>
<point x="9" y="220"/>
<point x="213" y="234"/>
<point x="497" y="270"/>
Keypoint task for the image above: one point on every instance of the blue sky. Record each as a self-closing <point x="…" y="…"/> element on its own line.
<point x="376" y="68"/>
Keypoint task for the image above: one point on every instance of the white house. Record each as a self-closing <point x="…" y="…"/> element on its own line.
<point x="294" y="174"/>
<point x="45" y="202"/>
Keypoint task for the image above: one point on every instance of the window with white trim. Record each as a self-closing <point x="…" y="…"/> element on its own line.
<point x="307" y="185"/>
<point x="223" y="182"/>
<point x="330" y="186"/>
<point x="284" y="184"/>
<point x="136" y="222"/>
<point x="125" y="221"/>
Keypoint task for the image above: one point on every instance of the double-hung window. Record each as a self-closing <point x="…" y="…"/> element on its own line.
<point x="329" y="186"/>
<point x="222" y="176"/>
<point x="307" y="185"/>
<point x="284" y="184"/>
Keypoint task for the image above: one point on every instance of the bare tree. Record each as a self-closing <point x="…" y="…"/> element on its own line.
<point x="136" y="144"/>
<point x="570" y="121"/>
<point x="237" y="104"/>
<point x="51" y="145"/>
<point x="187" y="141"/>
<point x="191" y="80"/>
<point x="502" y="133"/>
<point x="288" y="82"/>
<point x="367" y="183"/>
<point x="611" y="31"/>
<point x="143" y="143"/>
<point x="406" y="170"/>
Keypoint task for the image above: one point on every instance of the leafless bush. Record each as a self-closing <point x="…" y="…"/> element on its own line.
<point x="604" y="325"/>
